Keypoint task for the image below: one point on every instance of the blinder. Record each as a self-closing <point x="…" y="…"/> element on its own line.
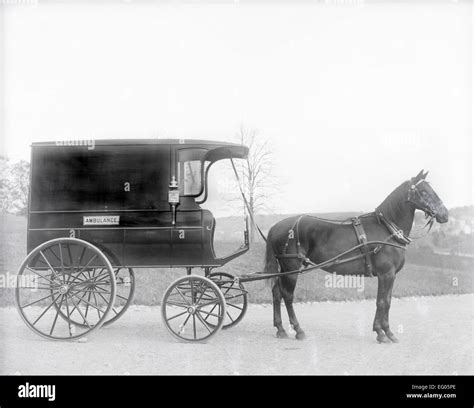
<point x="415" y="197"/>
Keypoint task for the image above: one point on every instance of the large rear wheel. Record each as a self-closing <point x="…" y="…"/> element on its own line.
<point x="67" y="278"/>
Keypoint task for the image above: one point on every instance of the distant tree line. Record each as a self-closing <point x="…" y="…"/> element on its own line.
<point x="14" y="184"/>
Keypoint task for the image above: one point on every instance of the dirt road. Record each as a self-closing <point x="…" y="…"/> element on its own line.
<point x="436" y="337"/>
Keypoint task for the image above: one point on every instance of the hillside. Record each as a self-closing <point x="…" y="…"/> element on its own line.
<point x="432" y="266"/>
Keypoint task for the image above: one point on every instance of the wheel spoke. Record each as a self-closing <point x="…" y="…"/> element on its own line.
<point x="89" y="280"/>
<point x="39" y="287"/>
<point x="180" y="293"/>
<point x="90" y="304"/>
<point x="79" y="310"/>
<point x="203" y="322"/>
<point x="41" y="276"/>
<point x="68" y="316"/>
<point x="49" y="265"/>
<point x="105" y="300"/>
<point x="98" y="310"/>
<point x="88" y="263"/>
<point x="172" y="303"/>
<point x="90" y="290"/>
<point x="177" y="315"/>
<point x="70" y="282"/>
<point x="82" y="255"/>
<point x="209" y="314"/>
<point x="181" y="328"/>
<point x="45" y="310"/>
<point x="202" y="294"/>
<point x="101" y="275"/>
<point x="57" y="314"/>
<point x="215" y="301"/>
<point x="70" y="257"/>
<point x="237" y="307"/>
<point x="88" y="300"/>
<point x="81" y="299"/>
<point x="61" y="256"/>
<point x="234" y="297"/>
<point x="36" y="301"/>
<point x="121" y="297"/>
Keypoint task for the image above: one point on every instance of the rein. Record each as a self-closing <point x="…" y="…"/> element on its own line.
<point x="247" y="205"/>
<point x="395" y="233"/>
<point x="332" y="261"/>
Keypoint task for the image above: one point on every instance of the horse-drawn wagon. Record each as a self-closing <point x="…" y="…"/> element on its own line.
<point x="95" y="215"/>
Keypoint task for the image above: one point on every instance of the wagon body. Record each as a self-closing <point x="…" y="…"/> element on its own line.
<point x="114" y="194"/>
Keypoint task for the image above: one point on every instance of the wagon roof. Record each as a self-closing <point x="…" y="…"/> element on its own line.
<point x="217" y="149"/>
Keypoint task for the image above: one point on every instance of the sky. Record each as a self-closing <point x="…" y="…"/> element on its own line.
<point x="354" y="98"/>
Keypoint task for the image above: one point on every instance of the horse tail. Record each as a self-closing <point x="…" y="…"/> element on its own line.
<point x="271" y="262"/>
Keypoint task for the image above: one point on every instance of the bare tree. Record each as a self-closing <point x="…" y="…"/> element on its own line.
<point x="256" y="173"/>
<point x="14" y="182"/>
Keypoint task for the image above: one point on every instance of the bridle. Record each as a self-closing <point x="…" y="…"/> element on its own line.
<point x="416" y="198"/>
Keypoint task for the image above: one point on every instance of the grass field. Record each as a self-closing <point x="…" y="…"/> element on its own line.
<point x="413" y="280"/>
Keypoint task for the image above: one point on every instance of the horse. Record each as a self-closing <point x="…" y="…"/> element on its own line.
<point x="298" y="240"/>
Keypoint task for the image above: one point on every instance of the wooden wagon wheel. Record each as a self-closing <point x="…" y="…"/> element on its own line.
<point x="125" y="289"/>
<point x="235" y="296"/>
<point x="65" y="277"/>
<point x="125" y="280"/>
<point x="193" y="308"/>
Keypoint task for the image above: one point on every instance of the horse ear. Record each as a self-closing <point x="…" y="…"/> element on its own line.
<point x="424" y="175"/>
<point x="419" y="176"/>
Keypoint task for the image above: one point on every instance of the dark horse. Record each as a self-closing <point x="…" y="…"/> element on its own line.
<point x="317" y="240"/>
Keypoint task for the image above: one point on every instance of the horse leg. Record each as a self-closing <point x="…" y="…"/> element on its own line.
<point x="288" y="289"/>
<point x="381" y="305"/>
<point x="388" y="300"/>
<point x="277" y="322"/>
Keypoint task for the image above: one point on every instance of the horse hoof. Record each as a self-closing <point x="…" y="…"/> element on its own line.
<point x="392" y="338"/>
<point x="300" y="335"/>
<point x="281" y="334"/>
<point x="382" y="338"/>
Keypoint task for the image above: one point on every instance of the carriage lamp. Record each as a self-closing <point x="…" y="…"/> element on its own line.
<point x="173" y="198"/>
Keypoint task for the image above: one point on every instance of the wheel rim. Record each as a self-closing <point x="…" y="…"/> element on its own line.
<point x="66" y="278"/>
<point x="186" y="308"/>
<point x="235" y="296"/>
<point x="125" y="281"/>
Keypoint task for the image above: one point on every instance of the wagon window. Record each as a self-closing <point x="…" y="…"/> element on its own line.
<point x="190" y="170"/>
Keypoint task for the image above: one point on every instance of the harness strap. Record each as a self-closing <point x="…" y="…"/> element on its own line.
<point x="395" y="231"/>
<point x="362" y="239"/>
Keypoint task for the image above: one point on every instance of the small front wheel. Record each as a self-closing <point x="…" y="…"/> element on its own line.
<point x="235" y="296"/>
<point x="193" y="308"/>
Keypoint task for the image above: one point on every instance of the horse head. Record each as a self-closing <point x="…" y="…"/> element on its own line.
<point x="424" y="198"/>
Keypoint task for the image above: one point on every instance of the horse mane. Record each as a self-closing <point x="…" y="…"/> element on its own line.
<point x="392" y="206"/>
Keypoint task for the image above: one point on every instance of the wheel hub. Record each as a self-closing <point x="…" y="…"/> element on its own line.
<point x="192" y="310"/>
<point x="63" y="289"/>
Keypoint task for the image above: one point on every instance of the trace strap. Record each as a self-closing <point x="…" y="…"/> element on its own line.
<point x="247" y="205"/>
